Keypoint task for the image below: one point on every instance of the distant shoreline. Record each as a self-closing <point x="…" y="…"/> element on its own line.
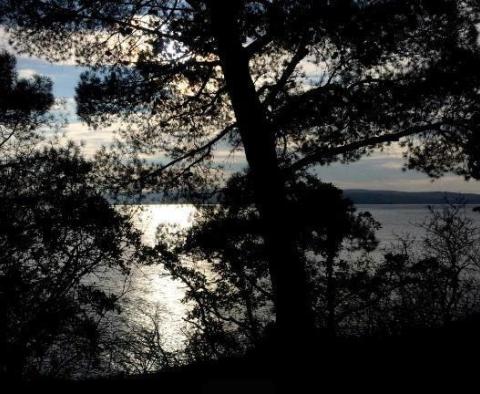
<point x="398" y="197"/>
<point x="358" y="196"/>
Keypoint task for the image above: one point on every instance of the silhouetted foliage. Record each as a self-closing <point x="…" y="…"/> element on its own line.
<point x="294" y="83"/>
<point x="434" y="279"/>
<point x="421" y="283"/>
<point x="66" y="253"/>
<point x="24" y="106"/>
<point x="223" y="263"/>
<point x="61" y="243"/>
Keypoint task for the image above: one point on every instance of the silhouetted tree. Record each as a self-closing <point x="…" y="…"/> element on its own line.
<point x="61" y="244"/>
<point x="134" y="342"/>
<point x="223" y="264"/>
<point x="24" y="106"/>
<point x="432" y="280"/>
<point x="66" y="253"/>
<point x="295" y="83"/>
<point x="59" y="238"/>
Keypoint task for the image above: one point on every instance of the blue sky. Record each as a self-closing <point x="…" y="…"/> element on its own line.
<point x="381" y="171"/>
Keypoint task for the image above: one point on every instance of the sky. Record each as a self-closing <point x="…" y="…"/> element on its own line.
<point x="380" y="171"/>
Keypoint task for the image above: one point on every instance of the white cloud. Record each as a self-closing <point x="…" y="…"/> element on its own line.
<point x="4" y="45"/>
<point x="392" y="164"/>
<point x="393" y="150"/>
<point x="26" y="73"/>
<point x="226" y="155"/>
<point x="92" y="140"/>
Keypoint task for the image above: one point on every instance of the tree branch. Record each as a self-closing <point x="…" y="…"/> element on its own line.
<point x="299" y="55"/>
<point x="192" y="152"/>
<point x="321" y="154"/>
<point x="257" y="45"/>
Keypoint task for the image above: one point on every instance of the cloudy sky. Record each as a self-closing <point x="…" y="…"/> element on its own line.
<point x="381" y="171"/>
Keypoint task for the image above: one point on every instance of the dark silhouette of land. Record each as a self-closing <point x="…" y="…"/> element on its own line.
<point x="358" y="196"/>
<point x="424" y="360"/>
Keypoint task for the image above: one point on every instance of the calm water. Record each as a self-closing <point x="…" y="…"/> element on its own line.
<point x="397" y="220"/>
<point x="159" y="293"/>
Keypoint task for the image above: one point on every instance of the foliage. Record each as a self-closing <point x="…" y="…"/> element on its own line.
<point x="24" y="106"/>
<point x="66" y="252"/>
<point x="418" y="284"/>
<point x="61" y="243"/>
<point x="334" y="78"/>
<point x="223" y="264"/>
<point x="295" y="84"/>
<point x="431" y="281"/>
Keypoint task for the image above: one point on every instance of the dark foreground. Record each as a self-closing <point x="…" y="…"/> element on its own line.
<point x="447" y="358"/>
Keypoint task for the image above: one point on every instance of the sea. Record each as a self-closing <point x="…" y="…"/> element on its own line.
<point x="160" y="297"/>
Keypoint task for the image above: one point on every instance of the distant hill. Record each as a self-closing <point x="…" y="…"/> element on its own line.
<point x="358" y="196"/>
<point x="396" y="197"/>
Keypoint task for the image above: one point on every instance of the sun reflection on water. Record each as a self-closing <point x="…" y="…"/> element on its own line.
<point x="152" y="216"/>
<point x="156" y="289"/>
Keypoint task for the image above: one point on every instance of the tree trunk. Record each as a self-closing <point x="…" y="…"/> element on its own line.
<point x="294" y="318"/>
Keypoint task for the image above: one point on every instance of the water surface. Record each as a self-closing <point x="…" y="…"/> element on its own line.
<point x="160" y="291"/>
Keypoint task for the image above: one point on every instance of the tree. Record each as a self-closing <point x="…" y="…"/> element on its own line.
<point x="60" y="244"/>
<point x="24" y="106"/>
<point x="221" y="261"/>
<point x="190" y="74"/>
<point x="432" y="280"/>
<point x="57" y="234"/>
